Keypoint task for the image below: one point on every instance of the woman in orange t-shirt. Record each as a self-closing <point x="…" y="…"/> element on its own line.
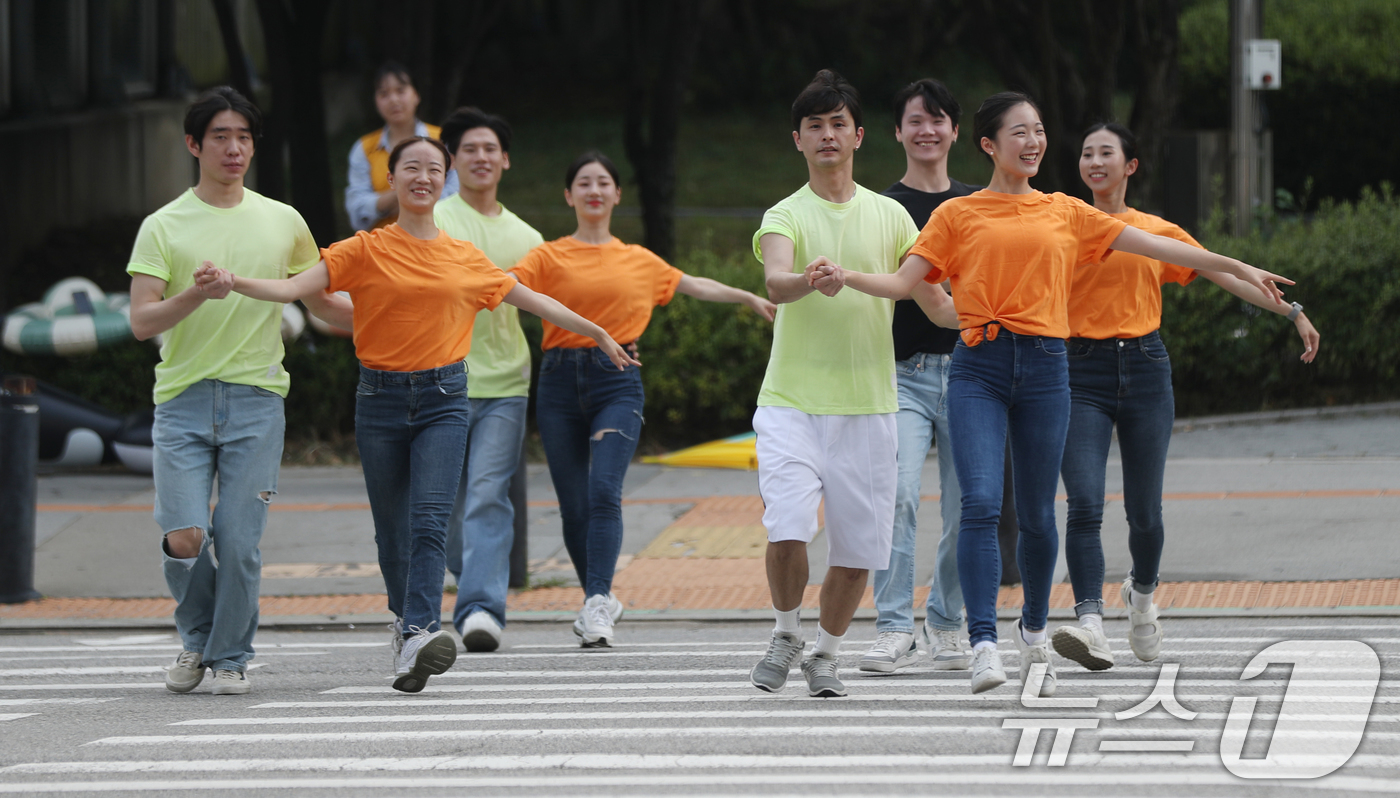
<point x="589" y="413"/>
<point x="1010" y="253"/>
<point x="1120" y="375"/>
<point x="416" y="292"/>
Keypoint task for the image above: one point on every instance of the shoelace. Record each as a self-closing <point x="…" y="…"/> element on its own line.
<point x="188" y="659"/>
<point x="781" y="651"/>
<point x="823" y="666"/>
<point x="982" y="660"/>
<point x="947" y="639"/>
<point x="888" y="643"/>
<point x="228" y="675"/>
<point x="599" y="615"/>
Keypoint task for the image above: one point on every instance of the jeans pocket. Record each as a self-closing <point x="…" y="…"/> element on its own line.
<point x="1155" y="351"/>
<point x="549" y="362"/>
<point x="905" y="368"/>
<point x="265" y="392"/>
<point x="366" y="388"/>
<point x="1079" y="349"/>
<point x="453" y="385"/>
<point x="1054" y="347"/>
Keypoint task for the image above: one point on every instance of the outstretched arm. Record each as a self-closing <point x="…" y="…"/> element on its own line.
<point x="1169" y="250"/>
<point x="333" y="309"/>
<point x="1245" y="291"/>
<point x="936" y="304"/>
<point x="314" y="280"/>
<point x="889" y="286"/>
<point x="715" y="291"/>
<point x="555" y="313"/>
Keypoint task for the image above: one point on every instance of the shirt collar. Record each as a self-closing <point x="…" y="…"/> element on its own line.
<point x="419" y="129"/>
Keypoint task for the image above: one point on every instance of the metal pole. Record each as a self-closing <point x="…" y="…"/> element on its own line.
<point x="520" y="549"/>
<point x="19" y="461"/>
<point x="1245" y="24"/>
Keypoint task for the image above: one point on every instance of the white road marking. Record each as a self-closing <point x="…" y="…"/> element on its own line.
<point x="26" y="688"/>
<point x="16" y="716"/>
<point x="95" y="670"/>
<point x="17" y="702"/>
<point x="262" y="648"/>
<point x="163" y="655"/>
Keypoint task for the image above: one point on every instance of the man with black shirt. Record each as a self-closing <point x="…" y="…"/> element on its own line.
<point x="927" y="125"/>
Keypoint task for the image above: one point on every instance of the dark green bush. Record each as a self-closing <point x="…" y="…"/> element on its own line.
<point x="1229" y="356"/>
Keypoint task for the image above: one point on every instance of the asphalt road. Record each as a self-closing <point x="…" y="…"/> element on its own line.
<point x="670" y="712"/>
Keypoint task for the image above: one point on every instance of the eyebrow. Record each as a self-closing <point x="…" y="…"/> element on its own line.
<point x="225" y="128"/>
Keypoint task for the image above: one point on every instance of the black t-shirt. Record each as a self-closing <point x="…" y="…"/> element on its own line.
<point x="913" y="332"/>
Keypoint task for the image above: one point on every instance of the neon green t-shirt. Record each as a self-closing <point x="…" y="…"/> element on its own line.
<point x="235" y="339"/>
<point x="499" y="363"/>
<point x="833" y="356"/>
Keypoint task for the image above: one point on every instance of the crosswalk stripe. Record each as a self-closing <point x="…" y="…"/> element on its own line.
<point x="18" y="702"/>
<point x="850" y="644"/>
<point x="16" y="715"/>
<point x="120" y="686"/>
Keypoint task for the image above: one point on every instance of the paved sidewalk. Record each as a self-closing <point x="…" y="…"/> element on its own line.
<point x="1265" y="514"/>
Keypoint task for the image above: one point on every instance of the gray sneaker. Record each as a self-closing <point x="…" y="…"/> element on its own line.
<point x="891" y="651"/>
<point x="1031" y="654"/>
<point x="186" y="673"/>
<point x="771" y="672"/>
<point x="228" y="682"/>
<point x="987" y="672"/>
<point x="947" y="650"/>
<point x="424" y="654"/>
<point x="820" y="671"/>
<point x="1086" y="645"/>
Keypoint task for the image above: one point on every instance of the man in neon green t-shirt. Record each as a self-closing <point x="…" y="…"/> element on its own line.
<point x="826" y="412"/>
<point x="482" y="528"/>
<point x="219" y="386"/>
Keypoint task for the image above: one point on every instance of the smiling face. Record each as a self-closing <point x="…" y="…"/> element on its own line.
<point x="926" y="136"/>
<point x="396" y="100"/>
<point x="828" y="140"/>
<point x="226" y="150"/>
<point x="594" y="193"/>
<point x="417" y="177"/>
<point x="1019" y="144"/>
<point x="480" y="159"/>
<point x="1102" y="163"/>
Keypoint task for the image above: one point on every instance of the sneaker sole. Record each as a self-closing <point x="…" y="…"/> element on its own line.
<point x="480" y="640"/>
<point x="954" y="664"/>
<point x="989" y="684"/>
<point x="435" y="657"/>
<point x="827" y="692"/>
<point x="1071" y="647"/>
<point x="176" y="687"/>
<point x="601" y="642"/>
<point x="241" y="688"/>
<point x="884" y="667"/>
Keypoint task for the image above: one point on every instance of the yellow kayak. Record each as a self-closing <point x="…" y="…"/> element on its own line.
<point x="736" y="452"/>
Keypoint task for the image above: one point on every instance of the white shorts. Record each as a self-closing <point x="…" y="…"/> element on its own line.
<point x="848" y="460"/>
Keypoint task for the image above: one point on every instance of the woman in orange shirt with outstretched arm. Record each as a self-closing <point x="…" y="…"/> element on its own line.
<point x="1010" y="253"/>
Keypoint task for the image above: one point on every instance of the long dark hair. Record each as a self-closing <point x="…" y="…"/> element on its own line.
<point x="987" y="123"/>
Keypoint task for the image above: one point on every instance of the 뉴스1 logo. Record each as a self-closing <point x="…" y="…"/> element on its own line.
<point x="1320" y="723"/>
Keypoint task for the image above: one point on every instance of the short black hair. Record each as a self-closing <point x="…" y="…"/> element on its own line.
<point x="1126" y="140"/>
<point x="215" y="101"/>
<point x="987" y="122"/>
<point x="827" y="92"/>
<point x="938" y="101"/>
<point x="470" y="118"/>
<point x="592" y="156"/>
<point x="403" y="145"/>
<point x="391" y="67"/>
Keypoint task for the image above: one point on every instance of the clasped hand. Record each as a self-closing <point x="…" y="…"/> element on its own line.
<point x="825" y="276"/>
<point x="213" y="282"/>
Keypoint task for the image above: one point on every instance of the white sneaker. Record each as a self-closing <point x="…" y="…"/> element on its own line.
<point x="947" y="649"/>
<point x="1031" y="654"/>
<point x="424" y="654"/>
<point x="614" y="608"/>
<point x="891" y="651"/>
<point x="231" y="683"/>
<point x="1147" y="647"/>
<point x="1086" y="645"/>
<point x="987" y="673"/>
<point x="480" y="632"/>
<point x="186" y="673"/>
<point x="595" y="623"/>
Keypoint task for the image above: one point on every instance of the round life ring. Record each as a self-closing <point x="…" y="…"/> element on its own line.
<point x="75" y="318"/>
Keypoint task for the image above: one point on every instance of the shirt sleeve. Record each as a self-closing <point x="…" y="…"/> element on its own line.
<point x="528" y="271"/>
<point x="908" y="233"/>
<point x="498" y="284"/>
<point x="1097" y="232"/>
<point x="148" y="255"/>
<point x="667" y="278"/>
<point x="342" y="259"/>
<point x="935" y="243"/>
<point x="775" y="220"/>
<point x="304" y="251"/>
<point x="360" y="196"/>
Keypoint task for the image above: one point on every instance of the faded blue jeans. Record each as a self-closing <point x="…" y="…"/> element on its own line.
<point x="233" y="432"/>
<point x="1127" y="382"/>
<point x="922" y="417"/>
<point x="411" y="430"/>
<point x="1016" y="385"/>
<point x="482" y="529"/>
<point x="590" y="417"/>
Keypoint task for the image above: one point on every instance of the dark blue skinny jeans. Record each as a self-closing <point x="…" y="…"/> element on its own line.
<point x="1016" y="385"/>
<point x="1127" y="382"/>
<point x="590" y="417"/>
<point x="411" y="430"/>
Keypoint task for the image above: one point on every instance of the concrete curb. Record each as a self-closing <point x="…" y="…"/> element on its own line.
<point x="1284" y="416"/>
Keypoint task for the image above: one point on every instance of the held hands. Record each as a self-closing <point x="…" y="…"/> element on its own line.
<point x="213" y="282"/>
<point x="616" y="353"/>
<point x="1310" y="337"/>
<point x="825" y="276"/>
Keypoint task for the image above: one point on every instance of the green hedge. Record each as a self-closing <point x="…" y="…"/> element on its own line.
<point x="1229" y="356"/>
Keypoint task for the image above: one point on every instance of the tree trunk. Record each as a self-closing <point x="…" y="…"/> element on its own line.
<point x="272" y="150"/>
<point x="238" y="75"/>
<point x="1155" y="39"/>
<point x="482" y="15"/>
<point x="662" y="40"/>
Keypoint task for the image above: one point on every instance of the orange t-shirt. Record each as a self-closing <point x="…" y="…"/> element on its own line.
<point x="1011" y="258"/>
<point x="415" y="300"/>
<point x="1122" y="297"/>
<point x="613" y="285"/>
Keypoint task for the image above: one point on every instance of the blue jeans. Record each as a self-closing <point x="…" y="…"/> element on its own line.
<point x="411" y="429"/>
<point x="1127" y="382"/>
<point x="1017" y="384"/>
<point x="923" y="415"/>
<point x="234" y="431"/>
<point x="482" y="528"/>
<point x="590" y="416"/>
